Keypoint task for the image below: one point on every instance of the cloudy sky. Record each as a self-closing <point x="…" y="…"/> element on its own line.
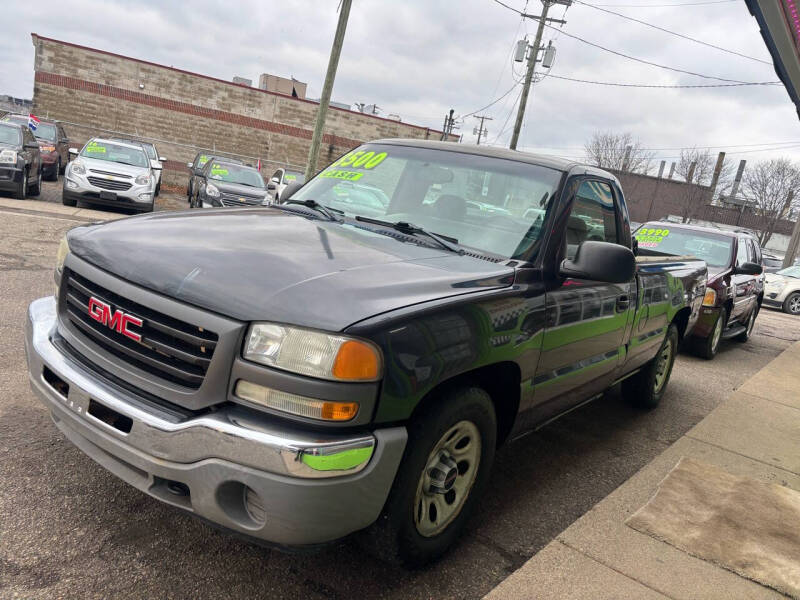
<point x="419" y="58"/>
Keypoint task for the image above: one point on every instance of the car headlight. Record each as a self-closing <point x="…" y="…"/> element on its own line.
<point x="8" y="157"/>
<point x="142" y="179"/>
<point x="710" y="299"/>
<point x="78" y="168"/>
<point x="212" y="190"/>
<point x="313" y="353"/>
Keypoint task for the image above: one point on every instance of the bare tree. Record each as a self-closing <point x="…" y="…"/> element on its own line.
<point x="696" y="168"/>
<point x="773" y="186"/>
<point x="609" y="150"/>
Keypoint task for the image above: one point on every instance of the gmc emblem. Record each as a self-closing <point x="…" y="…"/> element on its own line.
<point x="117" y="320"/>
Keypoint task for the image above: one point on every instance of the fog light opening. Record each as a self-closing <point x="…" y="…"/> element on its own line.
<point x="242" y="505"/>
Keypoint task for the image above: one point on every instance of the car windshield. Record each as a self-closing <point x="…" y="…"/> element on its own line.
<point x="481" y="201"/>
<point x="150" y="149"/>
<point x="790" y="272"/>
<point x="230" y="173"/>
<point x="111" y="152"/>
<point x="289" y="178"/>
<point x="10" y="134"/>
<point x="44" y="131"/>
<point x="715" y="249"/>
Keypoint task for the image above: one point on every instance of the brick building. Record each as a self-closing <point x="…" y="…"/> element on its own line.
<point x="100" y="93"/>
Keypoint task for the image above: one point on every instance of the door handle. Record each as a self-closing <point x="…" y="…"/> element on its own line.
<point x="623" y="302"/>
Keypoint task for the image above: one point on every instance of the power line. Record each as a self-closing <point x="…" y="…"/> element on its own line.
<point x="675" y="33"/>
<point x="775" y="146"/>
<point x="667" y="5"/>
<point x="645" y="85"/>
<point x="623" y="55"/>
<point x="492" y="103"/>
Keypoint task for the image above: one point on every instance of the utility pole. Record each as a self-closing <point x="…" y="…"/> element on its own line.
<point x="532" y="59"/>
<point x="794" y="245"/>
<point x="327" y="88"/>
<point x="480" y="130"/>
<point x="449" y="125"/>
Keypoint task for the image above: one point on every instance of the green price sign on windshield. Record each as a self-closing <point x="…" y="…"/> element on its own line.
<point x="650" y="238"/>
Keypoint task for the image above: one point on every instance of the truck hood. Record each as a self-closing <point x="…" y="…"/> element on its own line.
<point x="265" y="264"/>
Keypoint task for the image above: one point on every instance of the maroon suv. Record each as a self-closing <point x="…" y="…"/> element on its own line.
<point x="53" y="145"/>
<point x="735" y="286"/>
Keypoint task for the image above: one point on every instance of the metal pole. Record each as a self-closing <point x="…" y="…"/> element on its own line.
<point x="529" y="75"/>
<point x="327" y="88"/>
<point x="794" y="243"/>
<point x="715" y="178"/>
<point x="661" y="169"/>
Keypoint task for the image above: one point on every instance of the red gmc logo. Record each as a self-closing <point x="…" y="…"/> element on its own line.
<point x="116" y="320"/>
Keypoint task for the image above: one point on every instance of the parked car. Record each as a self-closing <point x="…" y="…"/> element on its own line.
<point x="366" y="200"/>
<point x="735" y="283"/>
<point x="223" y="183"/>
<point x="771" y="263"/>
<point x="281" y="179"/>
<point x="20" y="161"/>
<point x="156" y="161"/>
<point x="782" y="290"/>
<point x="110" y="173"/>
<point x="298" y="374"/>
<point x="196" y="166"/>
<point x="53" y="144"/>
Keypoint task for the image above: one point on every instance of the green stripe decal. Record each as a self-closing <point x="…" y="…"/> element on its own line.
<point x="341" y="461"/>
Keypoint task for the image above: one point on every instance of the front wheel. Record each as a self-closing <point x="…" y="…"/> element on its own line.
<point x="22" y="187"/>
<point x="36" y="188"/>
<point x="444" y="471"/>
<point x="792" y="304"/>
<point x="751" y="322"/>
<point x="646" y="388"/>
<point x="708" y="347"/>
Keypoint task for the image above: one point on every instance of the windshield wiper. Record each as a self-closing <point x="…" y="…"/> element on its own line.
<point x="444" y="241"/>
<point x="320" y="208"/>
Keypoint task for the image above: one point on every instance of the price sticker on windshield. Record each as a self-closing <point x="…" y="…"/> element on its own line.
<point x="356" y="162"/>
<point x="345" y="175"/>
<point x="94" y="147"/>
<point x="217" y="171"/>
<point x="651" y="237"/>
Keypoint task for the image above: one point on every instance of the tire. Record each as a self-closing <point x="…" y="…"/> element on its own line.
<point x="707" y="348"/>
<point x="158" y="189"/>
<point x="22" y="187"/>
<point x="149" y="209"/>
<point x="792" y="304"/>
<point x="406" y="532"/>
<point x="61" y="167"/>
<point x="36" y="188"/>
<point x="67" y="201"/>
<point x="646" y="388"/>
<point x="56" y="171"/>
<point x="751" y="322"/>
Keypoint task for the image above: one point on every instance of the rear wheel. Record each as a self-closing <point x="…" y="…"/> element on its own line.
<point x="751" y="322"/>
<point x="56" y="170"/>
<point x="708" y="347"/>
<point x="22" y="187"/>
<point x="444" y="471"/>
<point x="646" y="388"/>
<point x="792" y="304"/>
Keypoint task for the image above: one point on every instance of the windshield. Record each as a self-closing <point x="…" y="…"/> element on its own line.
<point x="10" y="135"/>
<point x="289" y="178"/>
<point x="44" y="131"/>
<point x="790" y="272"/>
<point x="150" y="149"/>
<point x="234" y="174"/>
<point x="714" y="249"/>
<point x="117" y="153"/>
<point x="483" y="202"/>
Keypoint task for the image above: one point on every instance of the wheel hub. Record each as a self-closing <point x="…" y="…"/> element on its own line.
<point x="442" y="475"/>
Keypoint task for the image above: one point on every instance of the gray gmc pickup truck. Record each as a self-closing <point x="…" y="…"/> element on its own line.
<point x="302" y="372"/>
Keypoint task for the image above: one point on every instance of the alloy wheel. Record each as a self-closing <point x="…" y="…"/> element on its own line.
<point x="794" y="305"/>
<point x="447" y="478"/>
<point x="662" y="368"/>
<point x="717" y="335"/>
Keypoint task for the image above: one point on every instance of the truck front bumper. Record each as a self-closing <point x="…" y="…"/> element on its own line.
<point x="205" y="464"/>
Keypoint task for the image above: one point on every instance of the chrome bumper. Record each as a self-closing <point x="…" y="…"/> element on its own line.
<point x="313" y="487"/>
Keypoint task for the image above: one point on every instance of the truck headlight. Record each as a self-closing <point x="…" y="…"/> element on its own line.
<point x="8" y="157"/>
<point x="710" y="299"/>
<point x="212" y="190"/>
<point x="297" y="405"/>
<point x="313" y="353"/>
<point x="142" y="179"/>
<point x="78" y="168"/>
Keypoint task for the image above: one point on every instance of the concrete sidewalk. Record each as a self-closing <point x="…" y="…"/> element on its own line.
<point x="755" y="433"/>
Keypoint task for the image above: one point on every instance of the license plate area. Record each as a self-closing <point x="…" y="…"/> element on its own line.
<point x="108" y="196"/>
<point x="110" y="417"/>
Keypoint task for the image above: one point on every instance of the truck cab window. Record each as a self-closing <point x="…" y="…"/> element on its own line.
<point x="593" y="216"/>
<point x="741" y="252"/>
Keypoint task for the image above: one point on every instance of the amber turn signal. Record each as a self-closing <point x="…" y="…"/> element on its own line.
<point x="339" y="411"/>
<point x="710" y="299"/>
<point x="356" y="361"/>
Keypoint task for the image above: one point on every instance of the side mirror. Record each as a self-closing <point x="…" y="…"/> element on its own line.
<point x="275" y="180"/>
<point x="162" y="159"/>
<point x="156" y="168"/>
<point x="290" y="190"/>
<point x="748" y="268"/>
<point x="189" y="165"/>
<point x="73" y="151"/>
<point x="601" y="261"/>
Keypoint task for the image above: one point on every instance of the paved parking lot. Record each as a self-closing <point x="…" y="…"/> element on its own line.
<point x="69" y="529"/>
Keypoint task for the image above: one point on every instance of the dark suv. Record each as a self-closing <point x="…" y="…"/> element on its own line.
<point x="20" y="161"/>
<point x="53" y="144"/>
<point x="735" y="287"/>
<point x="196" y="167"/>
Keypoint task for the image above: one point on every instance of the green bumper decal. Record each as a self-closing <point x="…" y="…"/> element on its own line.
<point x="341" y="461"/>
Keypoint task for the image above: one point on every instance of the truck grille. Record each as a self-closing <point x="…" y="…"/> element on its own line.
<point x="108" y="184"/>
<point x="171" y="349"/>
<point x="241" y="200"/>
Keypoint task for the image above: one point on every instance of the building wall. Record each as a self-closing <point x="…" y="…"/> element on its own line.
<point x="99" y="93"/>
<point x="281" y="85"/>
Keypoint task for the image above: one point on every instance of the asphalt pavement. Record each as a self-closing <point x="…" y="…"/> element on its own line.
<point x="70" y="529"/>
